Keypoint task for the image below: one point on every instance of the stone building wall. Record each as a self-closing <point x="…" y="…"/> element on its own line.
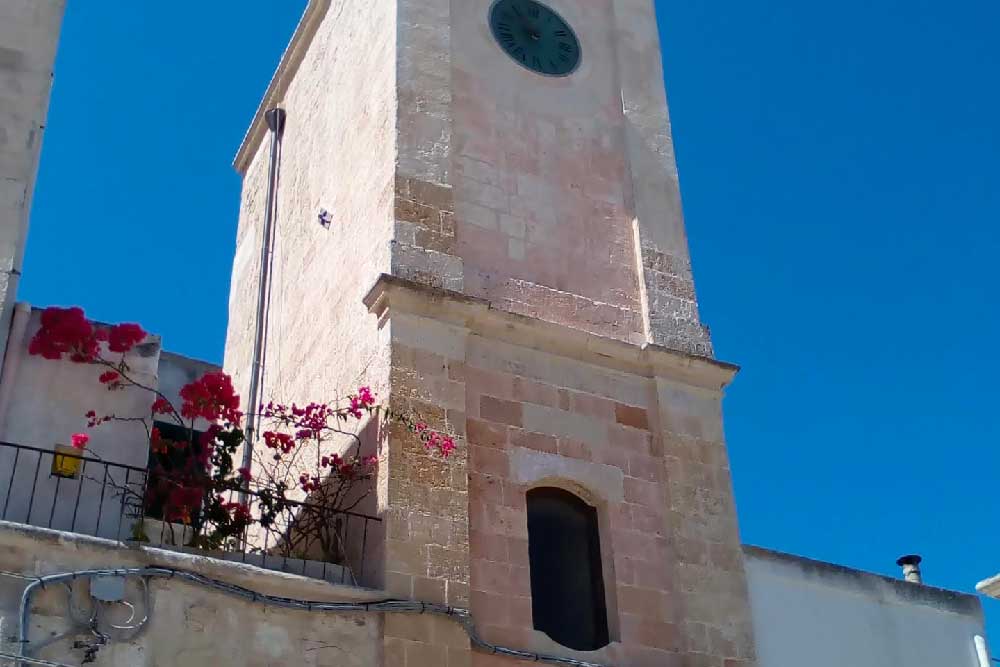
<point x="337" y="155"/>
<point x="638" y="435"/>
<point x="519" y="308"/>
<point x="29" y="33"/>
<point x="558" y="198"/>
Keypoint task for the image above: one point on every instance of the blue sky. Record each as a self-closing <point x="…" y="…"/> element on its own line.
<point x="840" y="166"/>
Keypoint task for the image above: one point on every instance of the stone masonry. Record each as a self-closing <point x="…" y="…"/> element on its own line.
<point x="637" y="435"/>
<point x="520" y="243"/>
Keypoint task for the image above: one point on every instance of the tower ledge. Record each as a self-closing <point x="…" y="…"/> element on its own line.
<point x="479" y="316"/>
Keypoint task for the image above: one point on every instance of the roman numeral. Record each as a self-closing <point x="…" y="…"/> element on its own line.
<point x="566" y="47"/>
<point x="561" y="33"/>
<point x="533" y="11"/>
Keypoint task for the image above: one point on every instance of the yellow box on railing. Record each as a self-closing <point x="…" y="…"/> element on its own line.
<point x="66" y="462"/>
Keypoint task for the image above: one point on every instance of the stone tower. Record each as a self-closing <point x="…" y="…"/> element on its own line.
<point x="506" y="253"/>
<point x="29" y="34"/>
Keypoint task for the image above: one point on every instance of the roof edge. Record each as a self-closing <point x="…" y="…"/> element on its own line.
<point x="306" y="29"/>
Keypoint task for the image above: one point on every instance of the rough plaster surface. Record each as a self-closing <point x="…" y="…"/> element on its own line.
<point x="806" y="612"/>
<point x="29" y="32"/>
<point x="189" y="625"/>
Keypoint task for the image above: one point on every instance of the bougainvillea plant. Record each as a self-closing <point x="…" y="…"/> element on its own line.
<point x="309" y="470"/>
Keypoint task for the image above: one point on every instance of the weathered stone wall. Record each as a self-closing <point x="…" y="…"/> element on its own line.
<point x="554" y="198"/>
<point x="338" y="154"/>
<point x="29" y="33"/>
<point x="511" y="195"/>
<point x="536" y="404"/>
<point x="427" y="499"/>
<point x="189" y="625"/>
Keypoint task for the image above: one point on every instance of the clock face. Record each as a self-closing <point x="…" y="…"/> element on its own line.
<point x="535" y="36"/>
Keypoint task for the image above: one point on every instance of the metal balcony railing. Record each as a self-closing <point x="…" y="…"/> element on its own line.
<point x="68" y="491"/>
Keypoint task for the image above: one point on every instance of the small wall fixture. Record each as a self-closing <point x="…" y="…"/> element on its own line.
<point x="325" y="218"/>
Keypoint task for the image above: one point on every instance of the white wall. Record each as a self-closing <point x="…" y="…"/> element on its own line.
<point x="48" y="403"/>
<point x="811" y="613"/>
<point x="29" y="32"/>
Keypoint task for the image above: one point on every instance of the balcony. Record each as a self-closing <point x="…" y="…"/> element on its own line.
<point x="66" y="491"/>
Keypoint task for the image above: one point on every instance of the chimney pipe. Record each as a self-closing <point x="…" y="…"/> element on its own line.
<point x="911" y="568"/>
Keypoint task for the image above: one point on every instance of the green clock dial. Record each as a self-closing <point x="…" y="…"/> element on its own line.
<point x="535" y="36"/>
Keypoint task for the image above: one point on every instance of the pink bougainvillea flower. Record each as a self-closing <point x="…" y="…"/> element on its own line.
<point x="211" y="397"/>
<point x="366" y="397"/>
<point x="109" y="377"/>
<point x="65" y="331"/>
<point x="161" y="406"/>
<point x="123" y="337"/>
<point x="80" y="440"/>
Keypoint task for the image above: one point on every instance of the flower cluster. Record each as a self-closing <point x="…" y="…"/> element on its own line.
<point x="363" y="400"/>
<point x="282" y="441"/>
<point x="67" y="331"/>
<point x="212" y="398"/>
<point x="315" y="448"/>
<point x="111" y="379"/>
<point x="442" y="443"/>
<point x="123" y="337"/>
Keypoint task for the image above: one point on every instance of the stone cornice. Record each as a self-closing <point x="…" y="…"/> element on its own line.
<point x="390" y="293"/>
<point x="290" y="61"/>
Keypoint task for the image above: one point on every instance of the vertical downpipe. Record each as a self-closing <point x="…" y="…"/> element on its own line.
<point x="276" y="124"/>
<point x="982" y="652"/>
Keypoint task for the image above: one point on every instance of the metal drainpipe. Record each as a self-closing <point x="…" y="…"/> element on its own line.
<point x="276" y="123"/>
<point x="982" y="652"/>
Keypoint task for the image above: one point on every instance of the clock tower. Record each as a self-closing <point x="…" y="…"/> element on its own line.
<point x="475" y="209"/>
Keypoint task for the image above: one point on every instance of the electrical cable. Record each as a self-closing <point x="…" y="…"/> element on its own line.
<point x="461" y="616"/>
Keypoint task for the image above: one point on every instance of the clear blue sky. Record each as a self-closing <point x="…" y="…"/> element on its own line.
<point x="840" y="166"/>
